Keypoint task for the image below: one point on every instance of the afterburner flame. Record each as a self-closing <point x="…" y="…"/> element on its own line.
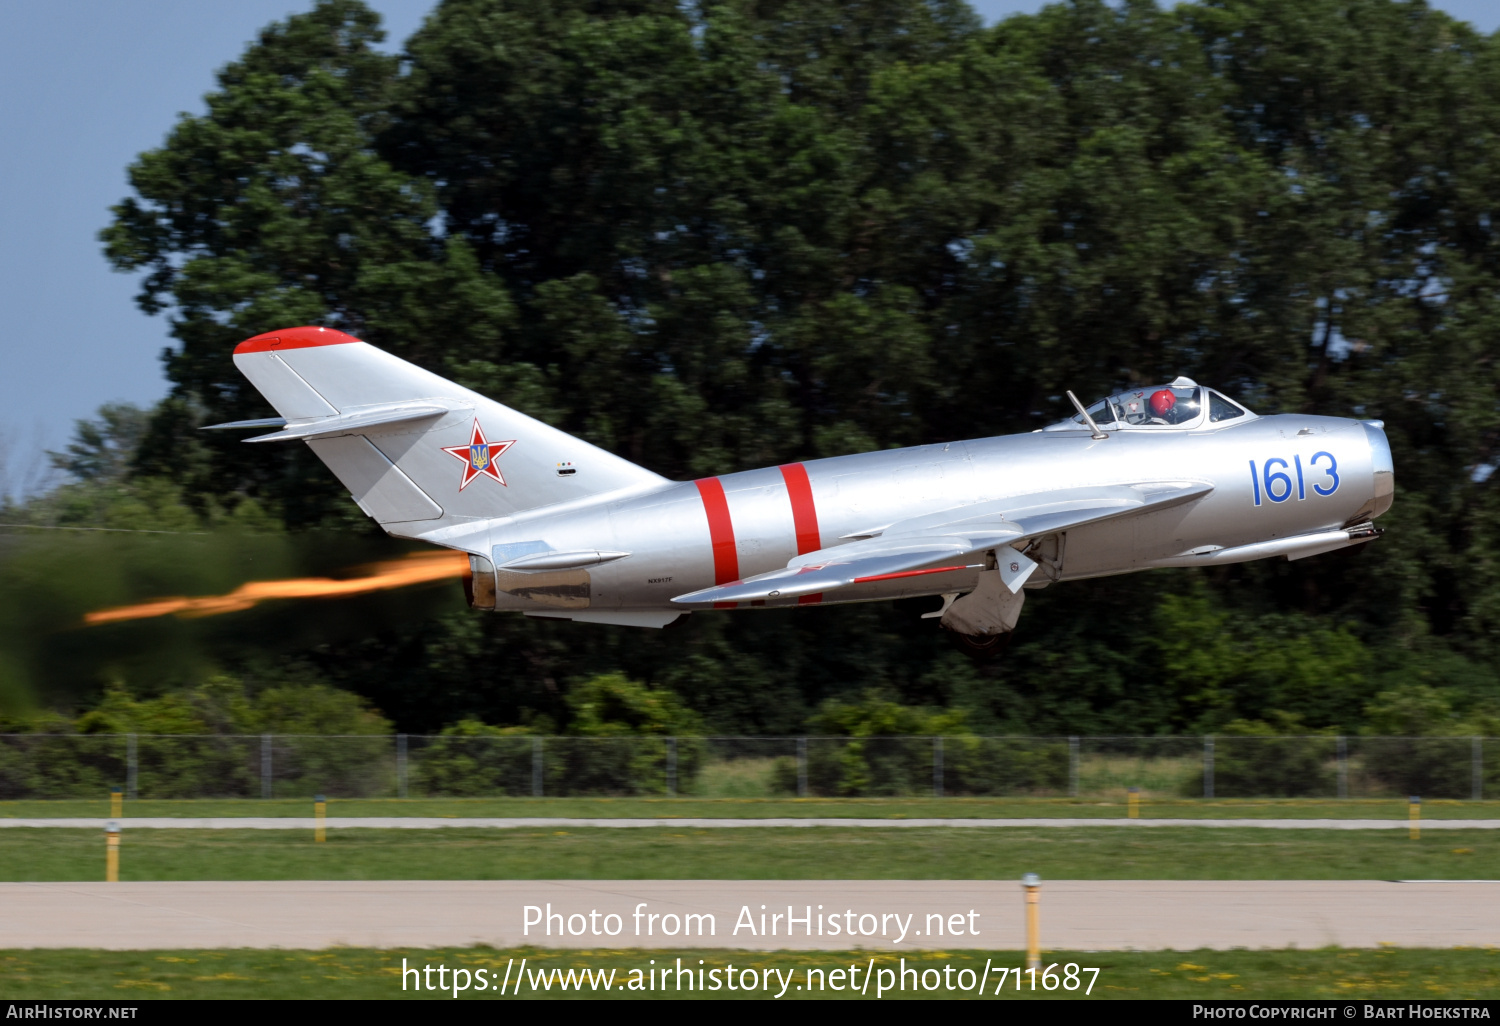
<point x="417" y="568"/>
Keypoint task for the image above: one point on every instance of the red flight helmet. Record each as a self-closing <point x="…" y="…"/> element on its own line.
<point x="1162" y="401"/>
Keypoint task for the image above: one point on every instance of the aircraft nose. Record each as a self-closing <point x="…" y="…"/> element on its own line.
<point x="1380" y="463"/>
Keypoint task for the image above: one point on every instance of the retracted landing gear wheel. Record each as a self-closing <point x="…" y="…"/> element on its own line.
<point x="981" y="647"/>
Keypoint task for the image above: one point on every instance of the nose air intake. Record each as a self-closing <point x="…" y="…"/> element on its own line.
<point x="1381" y="466"/>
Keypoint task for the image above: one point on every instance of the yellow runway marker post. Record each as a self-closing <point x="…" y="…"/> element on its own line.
<point x="1135" y="803"/>
<point x="320" y="814"/>
<point x="1033" y="887"/>
<point x="116" y="803"/>
<point x="112" y="852"/>
<point x="1414" y="817"/>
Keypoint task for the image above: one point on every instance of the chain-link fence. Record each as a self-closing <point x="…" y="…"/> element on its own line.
<point x="421" y="766"/>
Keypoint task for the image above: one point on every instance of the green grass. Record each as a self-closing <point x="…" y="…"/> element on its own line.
<point x="743" y="808"/>
<point x="754" y="853"/>
<point x="736" y="778"/>
<point x="364" y="973"/>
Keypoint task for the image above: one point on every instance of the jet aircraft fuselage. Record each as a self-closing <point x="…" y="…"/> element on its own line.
<point x="1175" y="475"/>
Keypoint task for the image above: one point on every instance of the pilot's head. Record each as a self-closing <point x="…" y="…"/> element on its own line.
<point x="1162" y="402"/>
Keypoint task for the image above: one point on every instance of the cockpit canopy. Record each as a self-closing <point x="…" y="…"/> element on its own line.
<point x="1178" y="405"/>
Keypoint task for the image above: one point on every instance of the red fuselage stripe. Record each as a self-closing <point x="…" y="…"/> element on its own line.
<point x="914" y="573"/>
<point x="720" y="530"/>
<point x="804" y="512"/>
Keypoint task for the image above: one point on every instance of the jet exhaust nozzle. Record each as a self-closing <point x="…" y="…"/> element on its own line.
<point x="479" y="583"/>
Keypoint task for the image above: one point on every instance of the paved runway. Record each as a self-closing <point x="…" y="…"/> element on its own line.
<point x="533" y="822"/>
<point x="1075" y="915"/>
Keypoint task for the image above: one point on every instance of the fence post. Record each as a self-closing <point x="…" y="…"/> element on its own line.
<point x="132" y="767"/>
<point x="1208" y="766"/>
<point x="1478" y="768"/>
<point x="401" y="765"/>
<point x="265" y="765"/>
<point x="1072" y="767"/>
<point x="1343" y="766"/>
<point x="536" y="766"/>
<point x="937" y="767"/>
<point x="671" y="767"/>
<point x="802" y="767"/>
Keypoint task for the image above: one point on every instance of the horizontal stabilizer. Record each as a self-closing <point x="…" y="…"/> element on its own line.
<point x="354" y="422"/>
<point x="262" y="422"/>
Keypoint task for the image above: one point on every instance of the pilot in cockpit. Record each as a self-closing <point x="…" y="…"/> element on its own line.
<point x="1167" y="407"/>
<point x="1178" y="404"/>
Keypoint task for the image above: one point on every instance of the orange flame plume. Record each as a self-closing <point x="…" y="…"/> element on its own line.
<point x="417" y="568"/>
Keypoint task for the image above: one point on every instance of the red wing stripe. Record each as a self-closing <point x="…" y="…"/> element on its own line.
<point x="804" y="512"/>
<point x="720" y="530"/>
<point x="915" y="573"/>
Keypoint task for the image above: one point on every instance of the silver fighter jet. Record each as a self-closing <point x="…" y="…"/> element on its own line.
<point x="1173" y="475"/>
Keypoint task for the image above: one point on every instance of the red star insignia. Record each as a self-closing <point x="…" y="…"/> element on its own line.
<point x="479" y="456"/>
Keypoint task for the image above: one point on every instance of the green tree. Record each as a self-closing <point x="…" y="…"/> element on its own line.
<point x="474" y="759"/>
<point x="1225" y="666"/>
<point x="1416" y="745"/>
<point x="273" y="209"/>
<point x="1279" y="758"/>
<point x="103" y="449"/>
<point x="625" y="738"/>
<point x="718" y="235"/>
<point x="610" y="705"/>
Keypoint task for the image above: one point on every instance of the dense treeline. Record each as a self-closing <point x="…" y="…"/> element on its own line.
<point x="711" y="236"/>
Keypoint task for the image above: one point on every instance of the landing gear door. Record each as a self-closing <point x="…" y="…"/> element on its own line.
<point x="1014" y="568"/>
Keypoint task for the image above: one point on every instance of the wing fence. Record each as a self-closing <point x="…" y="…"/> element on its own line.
<point x="160" y="766"/>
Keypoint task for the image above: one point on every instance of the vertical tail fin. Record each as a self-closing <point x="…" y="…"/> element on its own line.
<point x="415" y="449"/>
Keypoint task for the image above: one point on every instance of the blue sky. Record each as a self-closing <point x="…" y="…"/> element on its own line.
<point x="86" y="86"/>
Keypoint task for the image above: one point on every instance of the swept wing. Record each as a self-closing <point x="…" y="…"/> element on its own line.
<point x="953" y="539"/>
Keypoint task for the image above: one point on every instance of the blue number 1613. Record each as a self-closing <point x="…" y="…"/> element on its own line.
<point x="1274" y="479"/>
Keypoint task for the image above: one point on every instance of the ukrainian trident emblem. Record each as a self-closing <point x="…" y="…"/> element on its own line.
<point x="479" y="456"/>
